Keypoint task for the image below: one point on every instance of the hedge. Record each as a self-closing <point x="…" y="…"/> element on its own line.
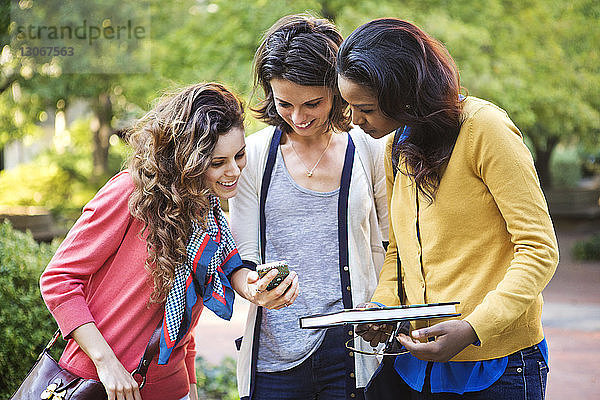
<point x="25" y="323"/>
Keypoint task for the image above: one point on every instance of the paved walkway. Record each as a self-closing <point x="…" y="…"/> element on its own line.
<point x="571" y="320"/>
<point x="571" y="323"/>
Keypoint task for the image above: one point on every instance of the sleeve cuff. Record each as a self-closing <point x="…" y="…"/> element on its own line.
<point x="190" y="364"/>
<point x="483" y="325"/>
<point x="71" y="315"/>
<point x="191" y="370"/>
<point x="249" y="264"/>
<point x="245" y="264"/>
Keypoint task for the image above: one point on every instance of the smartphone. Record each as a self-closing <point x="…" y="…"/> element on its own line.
<point x="282" y="272"/>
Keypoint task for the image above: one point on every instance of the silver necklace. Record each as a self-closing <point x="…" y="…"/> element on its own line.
<point x="310" y="171"/>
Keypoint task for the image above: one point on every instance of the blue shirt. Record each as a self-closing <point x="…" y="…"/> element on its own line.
<point x="455" y="376"/>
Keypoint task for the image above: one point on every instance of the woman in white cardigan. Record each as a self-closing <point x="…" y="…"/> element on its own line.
<point x="312" y="193"/>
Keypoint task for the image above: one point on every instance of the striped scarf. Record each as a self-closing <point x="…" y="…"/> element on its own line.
<point x="211" y="256"/>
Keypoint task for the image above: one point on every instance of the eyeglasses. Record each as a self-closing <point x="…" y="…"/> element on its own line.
<point x="392" y="348"/>
<point x="392" y="345"/>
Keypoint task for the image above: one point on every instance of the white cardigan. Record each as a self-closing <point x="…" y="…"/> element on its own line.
<point x="365" y="248"/>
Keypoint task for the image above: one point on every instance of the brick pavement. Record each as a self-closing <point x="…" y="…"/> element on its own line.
<point x="571" y="319"/>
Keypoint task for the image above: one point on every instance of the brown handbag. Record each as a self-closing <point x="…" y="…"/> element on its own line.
<point x="49" y="381"/>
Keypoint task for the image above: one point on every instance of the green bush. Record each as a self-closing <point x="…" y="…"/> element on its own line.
<point x="565" y="167"/>
<point x="60" y="181"/>
<point x="39" y="183"/>
<point x="25" y="323"/>
<point x="216" y="382"/>
<point x="588" y="250"/>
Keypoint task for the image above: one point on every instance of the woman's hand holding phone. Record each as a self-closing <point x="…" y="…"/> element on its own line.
<point x="282" y="295"/>
<point x="254" y="288"/>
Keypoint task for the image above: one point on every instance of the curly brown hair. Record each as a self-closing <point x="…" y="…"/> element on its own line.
<point x="172" y="148"/>
<point x="301" y="49"/>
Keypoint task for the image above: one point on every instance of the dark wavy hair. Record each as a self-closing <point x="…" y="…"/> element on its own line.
<point x="417" y="84"/>
<point x="172" y="148"/>
<point x="301" y="49"/>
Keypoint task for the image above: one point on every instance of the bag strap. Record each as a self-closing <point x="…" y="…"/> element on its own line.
<point x="149" y="353"/>
<point x="395" y="159"/>
<point x="393" y="346"/>
<point x="50" y="343"/>
<point x="142" y="368"/>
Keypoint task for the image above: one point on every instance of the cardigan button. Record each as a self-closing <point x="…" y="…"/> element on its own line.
<point x="346" y="268"/>
<point x="352" y="395"/>
<point x="348" y="288"/>
<point x="351" y="374"/>
<point x="351" y="354"/>
<point x="349" y="333"/>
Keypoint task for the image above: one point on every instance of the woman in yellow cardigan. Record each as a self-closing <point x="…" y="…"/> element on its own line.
<point x="467" y="218"/>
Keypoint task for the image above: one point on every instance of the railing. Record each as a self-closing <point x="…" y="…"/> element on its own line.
<point x="576" y="203"/>
<point x="37" y="220"/>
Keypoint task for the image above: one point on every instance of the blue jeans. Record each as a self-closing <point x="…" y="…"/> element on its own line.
<point x="321" y="376"/>
<point x="524" y="379"/>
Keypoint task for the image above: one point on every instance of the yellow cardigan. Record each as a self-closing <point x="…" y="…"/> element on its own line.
<point x="487" y="239"/>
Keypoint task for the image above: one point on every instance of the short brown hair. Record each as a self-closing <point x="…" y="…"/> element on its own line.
<point x="302" y="49"/>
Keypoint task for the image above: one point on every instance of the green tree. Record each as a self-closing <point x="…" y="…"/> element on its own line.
<point x="538" y="60"/>
<point x="92" y="75"/>
<point x="545" y="61"/>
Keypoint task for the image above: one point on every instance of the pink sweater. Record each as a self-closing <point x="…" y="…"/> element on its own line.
<point x="98" y="275"/>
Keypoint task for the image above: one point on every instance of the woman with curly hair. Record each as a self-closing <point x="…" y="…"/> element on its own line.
<point x="468" y="219"/>
<point x="152" y="248"/>
<point x="313" y="194"/>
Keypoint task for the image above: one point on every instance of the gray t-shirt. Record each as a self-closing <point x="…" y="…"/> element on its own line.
<point x="302" y="229"/>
